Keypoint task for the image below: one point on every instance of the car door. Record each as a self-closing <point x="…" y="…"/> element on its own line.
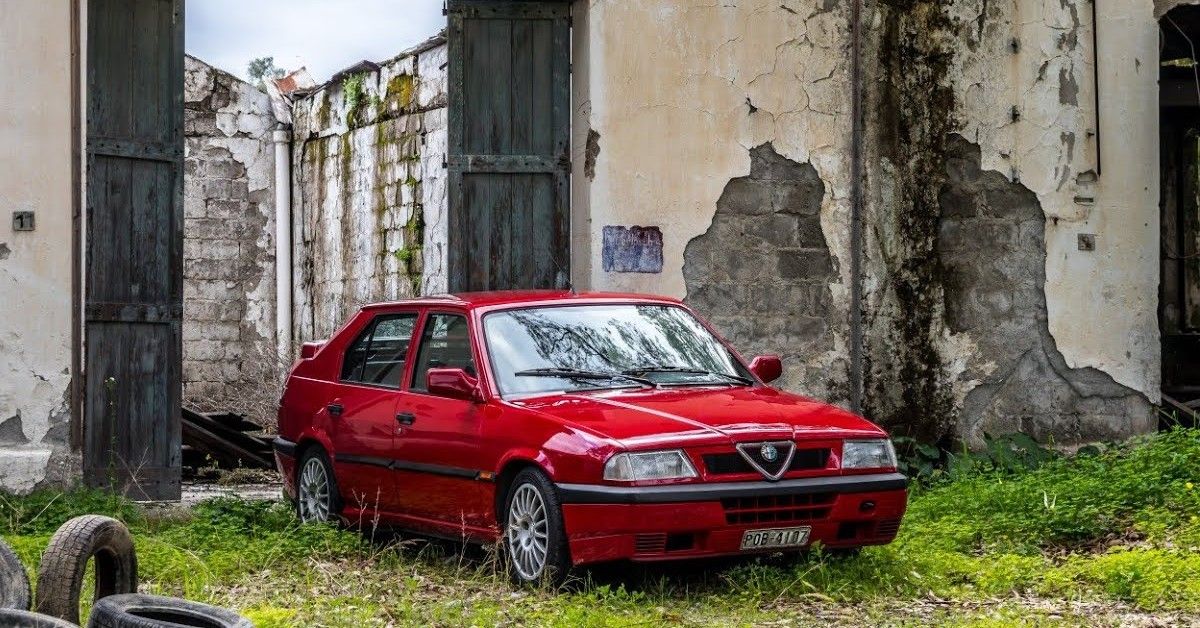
<point x="438" y="467"/>
<point x="362" y="412"/>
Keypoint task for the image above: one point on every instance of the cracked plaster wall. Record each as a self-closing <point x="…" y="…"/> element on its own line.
<point x="664" y="126"/>
<point x="35" y="267"/>
<point x="369" y="189"/>
<point x="676" y="117"/>
<point x="229" y="238"/>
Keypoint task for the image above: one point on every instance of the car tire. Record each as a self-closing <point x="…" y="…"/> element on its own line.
<point x="78" y="541"/>
<point x="14" y="582"/>
<point x="15" y="618"/>
<point x="534" y="541"/>
<point x="153" y="611"/>
<point x="312" y="502"/>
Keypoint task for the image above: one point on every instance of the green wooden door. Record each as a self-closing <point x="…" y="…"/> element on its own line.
<point x="134" y="273"/>
<point x="509" y="144"/>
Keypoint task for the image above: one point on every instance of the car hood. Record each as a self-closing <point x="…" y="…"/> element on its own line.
<point x="700" y="415"/>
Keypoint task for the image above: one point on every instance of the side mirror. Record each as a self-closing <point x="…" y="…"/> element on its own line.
<point x="309" y="349"/>
<point x="453" y="384"/>
<point x="768" y="368"/>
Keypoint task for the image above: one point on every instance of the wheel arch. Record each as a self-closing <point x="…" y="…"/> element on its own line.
<point x="508" y="472"/>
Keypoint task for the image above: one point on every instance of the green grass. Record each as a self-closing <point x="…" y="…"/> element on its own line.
<point x="1090" y="540"/>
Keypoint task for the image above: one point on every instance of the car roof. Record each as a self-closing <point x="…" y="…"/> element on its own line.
<point x="471" y="300"/>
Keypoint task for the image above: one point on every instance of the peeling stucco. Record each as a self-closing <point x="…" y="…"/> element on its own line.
<point x="229" y="239"/>
<point x="681" y="114"/>
<point x="765" y="248"/>
<point x="35" y="266"/>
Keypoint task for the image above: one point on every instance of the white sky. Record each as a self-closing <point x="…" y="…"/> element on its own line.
<point x="324" y="35"/>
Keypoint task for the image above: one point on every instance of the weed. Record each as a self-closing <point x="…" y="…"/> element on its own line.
<point x="1118" y="528"/>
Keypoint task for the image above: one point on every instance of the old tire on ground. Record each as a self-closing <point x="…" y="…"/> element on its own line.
<point x="534" y="543"/>
<point x="14" y="582"/>
<point x="14" y="618"/>
<point x="60" y="577"/>
<point x="151" y="611"/>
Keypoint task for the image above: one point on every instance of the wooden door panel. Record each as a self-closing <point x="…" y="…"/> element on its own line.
<point x="509" y="161"/>
<point x="134" y="274"/>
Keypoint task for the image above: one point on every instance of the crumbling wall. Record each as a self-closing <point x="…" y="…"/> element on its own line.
<point x="369" y="188"/>
<point x="229" y="240"/>
<point x="678" y="107"/>
<point x="35" y="266"/>
<point x="990" y="249"/>
<point x="675" y="100"/>
<point x="765" y="247"/>
<point x="982" y="317"/>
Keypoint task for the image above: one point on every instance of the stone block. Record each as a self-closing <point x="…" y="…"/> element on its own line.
<point x="804" y="264"/>
<point x="746" y="196"/>
<point x="803" y="197"/>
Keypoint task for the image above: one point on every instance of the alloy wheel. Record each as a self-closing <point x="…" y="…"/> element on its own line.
<point x="314" y="499"/>
<point x="528" y="532"/>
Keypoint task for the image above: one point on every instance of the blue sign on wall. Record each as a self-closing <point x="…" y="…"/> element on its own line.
<point x="632" y="249"/>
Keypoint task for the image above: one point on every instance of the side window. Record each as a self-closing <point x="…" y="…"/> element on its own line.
<point x="446" y="343"/>
<point x="377" y="356"/>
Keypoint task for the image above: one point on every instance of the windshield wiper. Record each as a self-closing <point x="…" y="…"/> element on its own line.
<point x="684" y="370"/>
<point x="570" y="373"/>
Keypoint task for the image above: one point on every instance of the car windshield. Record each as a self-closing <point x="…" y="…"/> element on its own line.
<point x="588" y="347"/>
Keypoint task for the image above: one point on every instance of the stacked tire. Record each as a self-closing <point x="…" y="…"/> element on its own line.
<point x="107" y="544"/>
<point x="15" y="596"/>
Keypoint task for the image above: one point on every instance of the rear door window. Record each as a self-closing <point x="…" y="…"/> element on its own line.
<point x="378" y="355"/>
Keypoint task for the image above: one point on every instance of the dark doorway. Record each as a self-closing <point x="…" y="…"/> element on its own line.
<point x="134" y="239"/>
<point x="509" y="153"/>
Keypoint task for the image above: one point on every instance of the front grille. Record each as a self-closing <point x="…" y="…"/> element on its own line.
<point x="777" y="508"/>
<point x="887" y="528"/>
<point x="649" y="543"/>
<point x="732" y="463"/>
<point x="663" y="543"/>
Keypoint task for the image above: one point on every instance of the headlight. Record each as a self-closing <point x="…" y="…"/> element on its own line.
<point x="876" y="453"/>
<point x="651" y="465"/>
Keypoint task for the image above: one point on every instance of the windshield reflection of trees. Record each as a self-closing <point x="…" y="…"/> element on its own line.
<point x="614" y="339"/>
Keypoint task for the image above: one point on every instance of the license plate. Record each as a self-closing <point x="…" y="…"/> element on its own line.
<point x="775" y="537"/>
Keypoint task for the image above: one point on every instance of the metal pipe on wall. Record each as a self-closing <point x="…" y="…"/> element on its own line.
<point x="856" y="208"/>
<point x="283" y="243"/>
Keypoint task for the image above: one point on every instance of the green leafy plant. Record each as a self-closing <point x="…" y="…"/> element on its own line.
<point x="353" y="94"/>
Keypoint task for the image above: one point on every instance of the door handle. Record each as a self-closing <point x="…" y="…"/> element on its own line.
<point x="405" y="418"/>
<point x="335" y="409"/>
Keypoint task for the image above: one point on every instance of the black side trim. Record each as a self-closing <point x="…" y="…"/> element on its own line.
<point x="597" y="494"/>
<point x="366" y="460"/>
<point x="416" y="467"/>
<point x="435" y="469"/>
<point x="284" y="447"/>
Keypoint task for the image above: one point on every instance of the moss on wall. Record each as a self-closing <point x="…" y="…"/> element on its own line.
<point x="914" y="112"/>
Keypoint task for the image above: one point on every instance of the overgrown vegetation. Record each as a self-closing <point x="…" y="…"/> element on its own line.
<point x="1104" y="538"/>
<point x="353" y="93"/>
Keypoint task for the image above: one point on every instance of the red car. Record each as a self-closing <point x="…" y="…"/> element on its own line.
<point x="575" y="428"/>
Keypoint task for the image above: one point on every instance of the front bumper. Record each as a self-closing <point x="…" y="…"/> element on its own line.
<point x="654" y="523"/>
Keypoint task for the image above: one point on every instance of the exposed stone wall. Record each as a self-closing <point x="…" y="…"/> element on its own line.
<point x="369" y="189"/>
<point x="974" y="320"/>
<point x="963" y="266"/>
<point x="229" y="240"/>
<point x="762" y="270"/>
<point x="678" y="106"/>
<point x="991" y="257"/>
